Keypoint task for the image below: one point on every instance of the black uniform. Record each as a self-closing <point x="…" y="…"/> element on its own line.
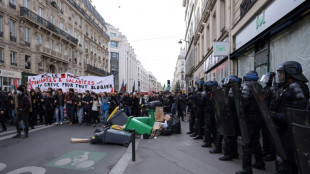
<point x="2" y="109"/>
<point x="87" y="108"/>
<point x="254" y="123"/>
<point x="207" y="114"/>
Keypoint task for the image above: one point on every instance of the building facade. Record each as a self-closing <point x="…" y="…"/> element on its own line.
<point x="257" y="35"/>
<point x="207" y="22"/>
<point x="179" y="72"/>
<point x="51" y="37"/>
<point x="267" y="33"/>
<point x="124" y="63"/>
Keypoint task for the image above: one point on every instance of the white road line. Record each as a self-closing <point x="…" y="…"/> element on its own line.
<point x="33" y="130"/>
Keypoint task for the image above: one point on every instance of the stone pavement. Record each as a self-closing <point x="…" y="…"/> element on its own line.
<point x="182" y="155"/>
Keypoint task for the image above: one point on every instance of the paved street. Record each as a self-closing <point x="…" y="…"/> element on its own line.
<point x="50" y="149"/>
<point x="182" y="155"/>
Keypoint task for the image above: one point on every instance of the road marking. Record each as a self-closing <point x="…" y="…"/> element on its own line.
<point x="33" y="130"/>
<point x="122" y="164"/>
<point x="12" y="131"/>
<point x="30" y="169"/>
<point x="77" y="160"/>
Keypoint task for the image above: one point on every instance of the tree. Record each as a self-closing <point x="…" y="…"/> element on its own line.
<point x="177" y="86"/>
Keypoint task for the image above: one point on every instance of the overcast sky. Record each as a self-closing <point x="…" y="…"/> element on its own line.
<point x="153" y="28"/>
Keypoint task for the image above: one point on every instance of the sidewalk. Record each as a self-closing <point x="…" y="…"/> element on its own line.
<point x="180" y="154"/>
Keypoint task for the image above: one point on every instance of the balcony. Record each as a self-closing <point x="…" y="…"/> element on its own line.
<point x="1" y="34"/>
<point x="13" y="64"/>
<point x="86" y="33"/>
<point x="47" y="52"/>
<point x="88" y="18"/>
<point x="12" y="5"/>
<point x="27" y="44"/>
<point x="25" y="12"/>
<point x="13" y="38"/>
<point x="86" y="50"/>
<point x="95" y="70"/>
<point x="1" y="61"/>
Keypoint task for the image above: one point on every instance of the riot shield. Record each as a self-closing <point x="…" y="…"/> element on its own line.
<point x="225" y="118"/>
<point x="258" y="94"/>
<point x="239" y="108"/>
<point x="301" y="141"/>
<point x="298" y="116"/>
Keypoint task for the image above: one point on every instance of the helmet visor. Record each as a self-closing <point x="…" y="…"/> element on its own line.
<point x="265" y="79"/>
<point x="280" y="76"/>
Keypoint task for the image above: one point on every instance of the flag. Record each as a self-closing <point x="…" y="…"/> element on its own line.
<point x="149" y="93"/>
<point x="125" y="87"/>
<point x="15" y="83"/>
<point x="112" y="90"/>
<point x="122" y="87"/>
<point x="164" y="87"/>
<point x="133" y="86"/>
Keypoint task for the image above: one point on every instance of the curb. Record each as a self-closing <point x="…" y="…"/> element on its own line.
<point x="122" y="164"/>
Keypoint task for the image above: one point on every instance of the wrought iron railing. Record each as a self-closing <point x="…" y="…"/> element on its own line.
<point x="96" y="70"/>
<point x="38" y="19"/>
<point x="13" y="38"/>
<point x="12" y="5"/>
<point x="88" y="18"/>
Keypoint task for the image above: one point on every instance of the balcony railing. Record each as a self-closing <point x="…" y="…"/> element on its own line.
<point x="1" y="34"/>
<point x="13" y="64"/>
<point x="1" y="61"/>
<point x="38" y="19"/>
<point x="88" y="18"/>
<point x="12" y="5"/>
<point x="27" y="44"/>
<point x="13" y="38"/>
<point x="96" y="70"/>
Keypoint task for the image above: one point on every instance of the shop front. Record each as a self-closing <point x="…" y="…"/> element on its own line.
<point x="8" y="79"/>
<point x="274" y="36"/>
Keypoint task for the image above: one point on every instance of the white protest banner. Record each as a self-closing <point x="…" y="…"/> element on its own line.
<point x="66" y="81"/>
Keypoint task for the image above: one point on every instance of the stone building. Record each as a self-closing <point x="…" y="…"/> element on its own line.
<point x="51" y="36"/>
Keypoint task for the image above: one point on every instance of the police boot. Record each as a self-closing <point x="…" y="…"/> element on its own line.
<point x="226" y="158"/>
<point x="245" y="171"/>
<point x="280" y="169"/>
<point x="189" y="132"/>
<point x="198" y="137"/>
<point x="259" y="165"/>
<point x="17" y="135"/>
<point x="269" y="157"/>
<point x="216" y="150"/>
<point x="26" y="133"/>
<point x="207" y="140"/>
<point x="193" y="135"/>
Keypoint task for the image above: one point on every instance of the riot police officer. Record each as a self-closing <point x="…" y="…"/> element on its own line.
<point x="207" y="112"/>
<point x="230" y="142"/>
<point x="254" y="125"/>
<point x="191" y="103"/>
<point x="269" y="91"/>
<point x="293" y="93"/>
<point x="199" y="121"/>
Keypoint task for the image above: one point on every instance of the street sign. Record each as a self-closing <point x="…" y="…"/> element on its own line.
<point x="220" y="49"/>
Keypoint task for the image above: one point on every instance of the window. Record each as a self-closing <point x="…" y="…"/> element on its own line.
<point x="61" y="25"/>
<point x="113" y="34"/>
<point x="61" y="48"/>
<point x="12" y="2"/>
<point x="114" y="55"/>
<point x="113" y="44"/>
<point x="85" y="45"/>
<point x="40" y="12"/>
<point x="12" y="28"/>
<point x="79" y="39"/>
<point x="69" y="30"/>
<point x="1" y="56"/>
<point x="60" y="70"/>
<point x="1" y="18"/>
<point x="52" y="45"/>
<point x="27" y="62"/>
<point x="40" y="39"/>
<point x="61" y="5"/>
<point x="51" y="19"/>
<point x="69" y="53"/>
<point x="75" y="34"/>
<point x="26" y="2"/>
<point x="13" y="58"/>
<point x="223" y="14"/>
<point x="26" y="34"/>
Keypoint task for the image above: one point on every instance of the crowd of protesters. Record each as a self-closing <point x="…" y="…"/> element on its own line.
<point x="26" y="109"/>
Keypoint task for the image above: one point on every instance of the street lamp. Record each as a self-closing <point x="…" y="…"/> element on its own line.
<point x="180" y="42"/>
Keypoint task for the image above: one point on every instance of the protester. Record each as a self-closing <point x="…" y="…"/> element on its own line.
<point x="70" y="101"/>
<point x="96" y="103"/>
<point x="59" y="109"/>
<point x="22" y="111"/>
<point x="79" y="106"/>
<point x="2" y="109"/>
<point x="105" y="105"/>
